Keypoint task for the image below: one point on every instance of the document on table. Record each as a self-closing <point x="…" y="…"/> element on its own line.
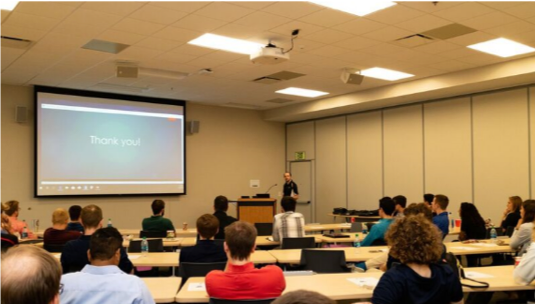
<point x="270" y="239"/>
<point x="484" y="244"/>
<point x="365" y="282"/>
<point x="463" y="248"/>
<point x="196" y="287"/>
<point x="133" y="256"/>
<point x="477" y="275"/>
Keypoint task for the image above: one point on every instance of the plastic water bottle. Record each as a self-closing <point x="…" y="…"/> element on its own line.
<point x="452" y="221"/>
<point x="109" y="223"/>
<point x="356" y="243"/>
<point x="24" y="234"/>
<point x="144" y="247"/>
<point x="493" y="235"/>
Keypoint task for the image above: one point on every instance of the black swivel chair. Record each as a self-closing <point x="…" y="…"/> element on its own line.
<point x="298" y="243"/>
<point x="152" y="234"/>
<point x="324" y="261"/>
<point x="221" y="301"/>
<point x="378" y="242"/>
<point x="356" y="227"/>
<point x="187" y="270"/>
<point x="264" y="229"/>
<point x="155" y="245"/>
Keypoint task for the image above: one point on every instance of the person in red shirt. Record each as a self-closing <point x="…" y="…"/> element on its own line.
<point x="241" y="280"/>
<point x="57" y="235"/>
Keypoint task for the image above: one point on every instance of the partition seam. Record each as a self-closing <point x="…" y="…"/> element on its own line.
<point x="347" y="174"/>
<point x="383" y="152"/>
<point x="472" y="147"/>
<point x="530" y="172"/>
<point x="423" y="146"/>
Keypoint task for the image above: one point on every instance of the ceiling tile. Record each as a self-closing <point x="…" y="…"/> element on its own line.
<point x="524" y="10"/>
<point x="58" y="44"/>
<point x="357" y="43"/>
<point x="224" y="11"/>
<point x="183" y="6"/>
<point x="159" y="44"/>
<point x="120" y="37"/>
<point x="206" y="63"/>
<point x="489" y="21"/>
<point x="136" y="53"/>
<point x="5" y="14"/>
<point x="156" y="14"/>
<point x="52" y="10"/>
<point x="511" y="28"/>
<point x="262" y="21"/>
<point x="430" y="7"/>
<point x="501" y="5"/>
<point x="423" y="23"/>
<point x="9" y="55"/>
<point x="471" y="38"/>
<point x="394" y="14"/>
<point x="459" y="53"/>
<point x="525" y="37"/>
<point x="121" y="8"/>
<point x="293" y="10"/>
<point x="225" y="56"/>
<point x="304" y="28"/>
<point x="255" y="5"/>
<point x="359" y="26"/>
<point x="329" y="51"/>
<point x="93" y="18"/>
<point x="177" y="34"/>
<point x="464" y="11"/>
<point x="236" y="31"/>
<point x="327" y="18"/>
<point x="79" y="30"/>
<point x="192" y="50"/>
<point x="176" y="58"/>
<point x="436" y="47"/>
<point x="31" y="21"/>
<point x="198" y="23"/>
<point x="481" y="59"/>
<point x="451" y="65"/>
<point x="138" y="26"/>
<point x="388" y="34"/>
<point x="328" y="36"/>
<point x="22" y="32"/>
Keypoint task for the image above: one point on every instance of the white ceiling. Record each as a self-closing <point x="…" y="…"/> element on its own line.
<point x="158" y="32"/>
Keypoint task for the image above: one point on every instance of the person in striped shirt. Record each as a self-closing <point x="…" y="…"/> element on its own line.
<point x="289" y="223"/>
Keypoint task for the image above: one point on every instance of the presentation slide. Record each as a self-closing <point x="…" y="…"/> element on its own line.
<point x="103" y="146"/>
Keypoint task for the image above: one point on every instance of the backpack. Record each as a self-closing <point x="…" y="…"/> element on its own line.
<point x="458" y="270"/>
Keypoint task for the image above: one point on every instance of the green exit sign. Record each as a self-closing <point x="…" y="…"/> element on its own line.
<point x="300" y="155"/>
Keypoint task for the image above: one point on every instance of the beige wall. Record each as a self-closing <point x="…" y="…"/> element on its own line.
<point x="478" y="148"/>
<point x="232" y="147"/>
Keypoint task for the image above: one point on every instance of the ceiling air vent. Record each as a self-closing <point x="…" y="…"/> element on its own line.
<point x="279" y="76"/>
<point x="243" y="106"/>
<point x="279" y="100"/>
<point x="105" y="46"/>
<point x="266" y="80"/>
<point x="449" y="31"/>
<point x="16" y="43"/>
<point x="413" y="40"/>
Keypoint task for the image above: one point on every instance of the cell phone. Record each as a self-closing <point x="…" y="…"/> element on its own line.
<point x="374" y="251"/>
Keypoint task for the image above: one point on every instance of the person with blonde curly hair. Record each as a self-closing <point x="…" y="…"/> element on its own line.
<point x="421" y="277"/>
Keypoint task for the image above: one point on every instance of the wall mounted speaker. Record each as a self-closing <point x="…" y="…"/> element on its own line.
<point x="21" y="114"/>
<point x="351" y="78"/>
<point x="193" y="126"/>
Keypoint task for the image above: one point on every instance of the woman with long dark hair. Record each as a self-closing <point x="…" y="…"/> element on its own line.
<point x="521" y="238"/>
<point x="472" y="224"/>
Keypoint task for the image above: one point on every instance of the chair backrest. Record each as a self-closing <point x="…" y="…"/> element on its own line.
<point x="53" y="247"/>
<point x="152" y="234"/>
<point x="222" y="301"/>
<point x="155" y="245"/>
<point x="378" y="242"/>
<point x="324" y="261"/>
<point x="264" y="229"/>
<point x="369" y="225"/>
<point x="509" y="231"/>
<point x="499" y="231"/>
<point x="356" y="227"/>
<point x="187" y="270"/>
<point x="298" y="243"/>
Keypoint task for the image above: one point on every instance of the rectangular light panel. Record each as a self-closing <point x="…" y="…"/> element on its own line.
<point x="355" y="7"/>
<point x="228" y="44"/>
<point x="502" y="47"/>
<point x="385" y="74"/>
<point x="301" y="92"/>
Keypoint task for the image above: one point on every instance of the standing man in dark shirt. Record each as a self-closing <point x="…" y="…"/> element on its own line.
<point x="220" y="208"/>
<point x="74" y="214"/>
<point x="74" y="255"/>
<point x="157" y="223"/>
<point x="290" y="187"/>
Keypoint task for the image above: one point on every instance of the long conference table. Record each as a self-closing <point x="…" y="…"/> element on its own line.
<point x="350" y="286"/>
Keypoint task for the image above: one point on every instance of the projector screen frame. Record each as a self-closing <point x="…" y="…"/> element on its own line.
<point x="96" y="94"/>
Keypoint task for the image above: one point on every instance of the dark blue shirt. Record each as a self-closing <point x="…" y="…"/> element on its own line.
<point x="75" y="226"/>
<point x="402" y="285"/>
<point x="74" y="256"/>
<point x="205" y="251"/>
<point x="441" y="221"/>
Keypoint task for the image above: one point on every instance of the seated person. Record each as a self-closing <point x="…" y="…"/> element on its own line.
<point x="289" y="223"/>
<point x="12" y="209"/>
<point x="157" y="223"/>
<point x="524" y="273"/>
<point x="74" y="214"/>
<point x="421" y="277"/>
<point x="220" y="208"/>
<point x="472" y="224"/>
<point x="400" y="202"/>
<point x="74" y="255"/>
<point x="103" y="282"/>
<point x="521" y="238"/>
<point x="440" y="206"/>
<point x="8" y="238"/>
<point x="30" y="275"/>
<point x="511" y="214"/>
<point x="206" y="250"/>
<point x="377" y="233"/>
<point x="303" y="297"/>
<point x="241" y="280"/>
<point x="57" y="235"/>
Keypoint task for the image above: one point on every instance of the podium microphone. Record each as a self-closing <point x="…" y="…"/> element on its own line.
<point x="270" y="188"/>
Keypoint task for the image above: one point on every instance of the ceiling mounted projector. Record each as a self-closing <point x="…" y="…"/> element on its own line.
<point x="270" y="54"/>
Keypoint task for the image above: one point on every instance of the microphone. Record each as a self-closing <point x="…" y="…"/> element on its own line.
<point x="270" y="188"/>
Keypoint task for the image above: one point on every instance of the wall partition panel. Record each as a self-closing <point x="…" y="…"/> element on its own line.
<point x="364" y="160"/>
<point x="532" y="140"/>
<point x="500" y="147"/>
<point x="448" y="150"/>
<point x="403" y="152"/>
<point x="300" y="138"/>
<point x="331" y="179"/>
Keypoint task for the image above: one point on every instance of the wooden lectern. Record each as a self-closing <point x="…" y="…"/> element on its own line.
<point x="256" y="210"/>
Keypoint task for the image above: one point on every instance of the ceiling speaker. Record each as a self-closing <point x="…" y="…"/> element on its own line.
<point x="349" y="77"/>
<point x="127" y="72"/>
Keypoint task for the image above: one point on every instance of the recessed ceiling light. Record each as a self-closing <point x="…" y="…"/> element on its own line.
<point x="226" y="44"/>
<point x="8" y="5"/>
<point x="359" y="8"/>
<point x="502" y="47"/>
<point x="301" y="92"/>
<point x="385" y="74"/>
